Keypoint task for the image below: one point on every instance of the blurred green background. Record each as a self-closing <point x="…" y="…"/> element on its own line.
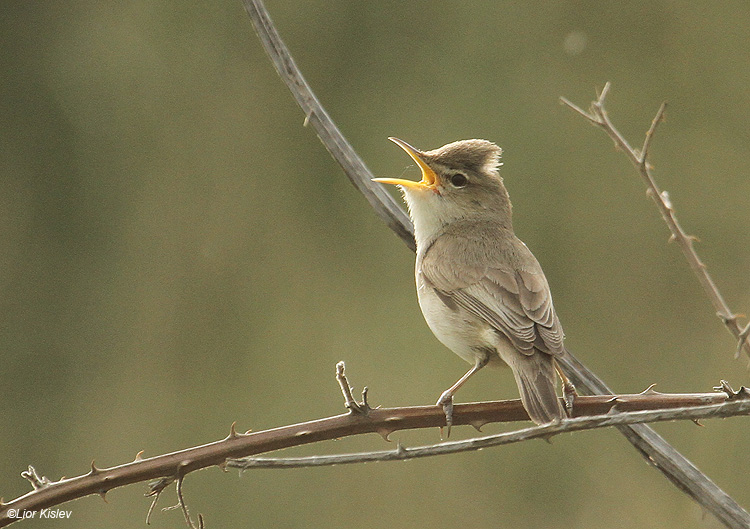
<point x="177" y="252"/>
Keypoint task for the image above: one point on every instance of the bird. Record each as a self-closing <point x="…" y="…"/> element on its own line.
<point x="482" y="292"/>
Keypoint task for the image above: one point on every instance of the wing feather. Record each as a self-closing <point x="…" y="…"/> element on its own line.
<point x="510" y="293"/>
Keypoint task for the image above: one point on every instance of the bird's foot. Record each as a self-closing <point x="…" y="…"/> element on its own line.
<point x="446" y="401"/>
<point x="569" y="396"/>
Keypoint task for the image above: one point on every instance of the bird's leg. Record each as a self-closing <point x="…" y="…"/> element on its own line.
<point x="446" y="399"/>
<point x="569" y="390"/>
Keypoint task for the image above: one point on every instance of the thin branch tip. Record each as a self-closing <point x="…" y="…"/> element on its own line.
<point x="589" y="115"/>
<point x="604" y="92"/>
<point x="658" y="118"/>
<point x="639" y="158"/>
<point x="350" y="403"/>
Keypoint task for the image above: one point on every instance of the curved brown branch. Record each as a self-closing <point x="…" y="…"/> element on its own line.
<point x="173" y="467"/>
<point x="677" y="468"/>
<point x="598" y="116"/>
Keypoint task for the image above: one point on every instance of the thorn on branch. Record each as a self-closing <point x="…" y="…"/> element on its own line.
<point x="94" y="470"/>
<point x="477" y="425"/>
<point x="385" y="433"/>
<point x="613" y="402"/>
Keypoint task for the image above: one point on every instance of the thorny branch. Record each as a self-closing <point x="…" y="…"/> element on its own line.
<point x="598" y="116"/>
<point x="676" y="467"/>
<point x="730" y="408"/>
<point x="175" y="466"/>
<point x="589" y="412"/>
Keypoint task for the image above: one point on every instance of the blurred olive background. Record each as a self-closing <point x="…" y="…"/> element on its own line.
<point x="177" y="252"/>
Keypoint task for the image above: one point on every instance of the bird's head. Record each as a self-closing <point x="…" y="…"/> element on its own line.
<point x="460" y="180"/>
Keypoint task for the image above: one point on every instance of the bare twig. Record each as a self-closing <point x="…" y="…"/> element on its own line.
<point x="36" y="481"/>
<point x="183" y="506"/>
<point x="598" y="116"/>
<point x="678" y="469"/>
<point x="650" y="135"/>
<point x="730" y="408"/>
<point x="362" y="408"/>
<point x="151" y="508"/>
<point x="155" y="490"/>
<point x="346" y="389"/>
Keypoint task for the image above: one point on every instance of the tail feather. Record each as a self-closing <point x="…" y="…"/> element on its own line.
<point x="535" y="376"/>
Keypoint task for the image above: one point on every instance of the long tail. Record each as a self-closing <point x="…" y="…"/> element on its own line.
<point x="535" y="376"/>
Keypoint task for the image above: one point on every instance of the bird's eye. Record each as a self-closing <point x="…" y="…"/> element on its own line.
<point x="459" y="180"/>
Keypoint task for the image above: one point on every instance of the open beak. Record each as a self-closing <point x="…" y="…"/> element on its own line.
<point x="429" y="178"/>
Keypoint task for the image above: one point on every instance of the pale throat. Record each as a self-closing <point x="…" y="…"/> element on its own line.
<point x="430" y="214"/>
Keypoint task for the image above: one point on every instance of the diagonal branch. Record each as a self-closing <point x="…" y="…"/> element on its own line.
<point x="678" y="469"/>
<point x="598" y="116"/>
<point x="384" y="204"/>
